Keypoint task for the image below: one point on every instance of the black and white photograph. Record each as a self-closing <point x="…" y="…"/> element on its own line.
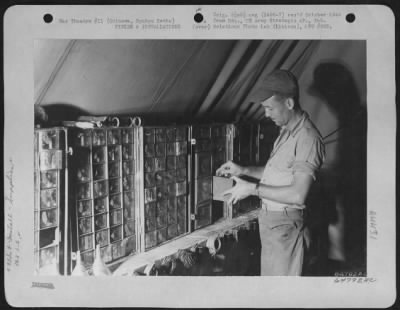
<point x="236" y="103"/>
<point x="239" y="159"/>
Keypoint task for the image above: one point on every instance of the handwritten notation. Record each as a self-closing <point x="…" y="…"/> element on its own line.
<point x="373" y="229"/>
<point x="358" y="280"/>
<point x="9" y="197"/>
<point x="9" y="204"/>
<point x="43" y="285"/>
<point x="13" y="238"/>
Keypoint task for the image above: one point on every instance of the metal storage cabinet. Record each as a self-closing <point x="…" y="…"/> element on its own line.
<point x="211" y="146"/>
<point x="252" y="146"/>
<point x="202" y="175"/>
<point x="222" y="144"/>
<point x="243" y="144"/>
<point x="51" y="203"/>
<point x="103" y="193"/>
<point x="163" y="182"/>
<point x="267" y="133"/>
<point x="127" y="189"/>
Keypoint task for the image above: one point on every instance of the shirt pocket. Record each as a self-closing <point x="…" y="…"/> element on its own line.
<point x="284" y="162"/>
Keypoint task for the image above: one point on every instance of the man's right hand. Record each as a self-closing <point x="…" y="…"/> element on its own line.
<point x="230" y="169"/>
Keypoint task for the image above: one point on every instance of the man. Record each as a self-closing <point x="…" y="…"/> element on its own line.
<point x="286" y="179"/>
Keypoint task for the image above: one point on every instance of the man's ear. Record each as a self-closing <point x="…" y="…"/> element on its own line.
<point x="290" y="103"/>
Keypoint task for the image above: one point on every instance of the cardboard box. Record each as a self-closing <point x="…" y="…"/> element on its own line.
<point x="220" y="185"/>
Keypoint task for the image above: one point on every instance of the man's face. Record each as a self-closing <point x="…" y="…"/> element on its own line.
<point x="277" y="110"/>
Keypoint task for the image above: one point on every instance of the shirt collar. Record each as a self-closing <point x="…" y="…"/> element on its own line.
<point x="295" y="127"/>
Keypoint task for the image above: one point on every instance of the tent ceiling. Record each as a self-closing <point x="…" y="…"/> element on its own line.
<point x="127" y="76"/>
<point x="177" y="79"/>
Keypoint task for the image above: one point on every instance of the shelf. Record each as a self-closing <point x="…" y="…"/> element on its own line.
<point x="137" y="261"/>
<point x="51" y="245"/>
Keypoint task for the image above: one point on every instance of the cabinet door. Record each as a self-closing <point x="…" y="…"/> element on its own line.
<point x="104" y="193"/>
<point x="50" y="206"/>
<point x="202" y="150"/>
<point x="213" y="146"/>
<point x="165" y="183"/>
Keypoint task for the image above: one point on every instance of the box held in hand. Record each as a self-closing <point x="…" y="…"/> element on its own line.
<point x="220" y="185"/>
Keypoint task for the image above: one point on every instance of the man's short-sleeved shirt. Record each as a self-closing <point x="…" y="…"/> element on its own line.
<point x="296" y="150"/>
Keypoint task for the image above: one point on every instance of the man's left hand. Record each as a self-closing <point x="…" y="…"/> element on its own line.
<point x="241" y="190"/>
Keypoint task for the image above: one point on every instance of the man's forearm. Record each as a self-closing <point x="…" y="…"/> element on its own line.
<point x="283" y="194"/>
<point x="294" y="193"/>
<point x="254" y="171"/>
